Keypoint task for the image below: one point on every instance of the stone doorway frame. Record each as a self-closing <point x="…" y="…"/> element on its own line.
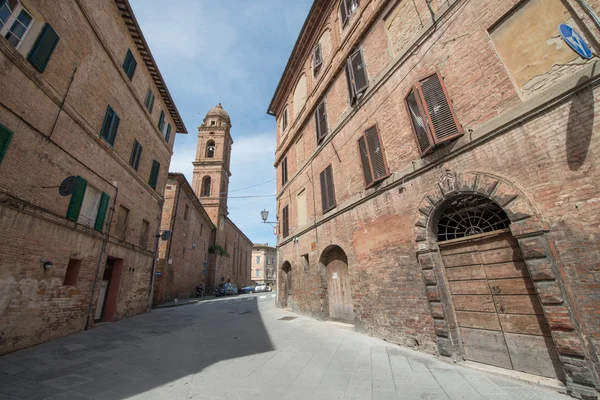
<point x="541" y="258"/>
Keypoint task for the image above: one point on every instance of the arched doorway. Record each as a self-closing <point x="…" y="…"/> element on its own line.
<point x="499" y="316"/>
<point x="338" y="284"/>
<point x="287" y="284"/>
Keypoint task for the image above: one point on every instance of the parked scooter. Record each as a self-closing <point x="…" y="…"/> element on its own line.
<point x="199" y="291"/>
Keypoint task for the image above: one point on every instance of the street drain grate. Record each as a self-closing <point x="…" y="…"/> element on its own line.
<point x="287" y="318"/>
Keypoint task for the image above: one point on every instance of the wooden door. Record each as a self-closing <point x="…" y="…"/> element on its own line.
<point x="499" y="315"/>
<point x="338" y="286"/>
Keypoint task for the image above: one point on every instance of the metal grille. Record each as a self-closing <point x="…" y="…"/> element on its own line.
<point x="470" y="215"/>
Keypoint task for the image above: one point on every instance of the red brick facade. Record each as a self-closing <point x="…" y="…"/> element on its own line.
<point x="529" y="144"/>
<point x="56" y="118"/>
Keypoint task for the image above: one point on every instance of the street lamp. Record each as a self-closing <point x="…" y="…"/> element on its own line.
<point x="264" y="214"/>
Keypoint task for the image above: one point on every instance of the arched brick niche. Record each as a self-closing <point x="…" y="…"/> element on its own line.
<point x="532" y="234"/>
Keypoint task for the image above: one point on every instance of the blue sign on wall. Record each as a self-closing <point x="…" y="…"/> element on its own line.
<point x="575" y="41"/>
<point x="158" y="273"/>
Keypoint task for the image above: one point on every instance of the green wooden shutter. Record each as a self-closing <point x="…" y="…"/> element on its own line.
<point x="43" y="48"/>
<point x="101" y="212"/>
<point x="129" y="64"/>
<point x="161" y="120"/>
<point x="5" y="136"/>
<point x="168" y="134"/>
<point x="77" y="199"/>
<point x="154" y="174"/>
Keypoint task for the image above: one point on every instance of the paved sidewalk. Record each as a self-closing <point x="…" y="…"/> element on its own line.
<point x="240" y="349"/>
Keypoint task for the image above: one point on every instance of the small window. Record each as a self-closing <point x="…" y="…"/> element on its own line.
<point x="317" y="59"/>
<point x="321" y="121"/>
<point x="431" y="113"/>
<point x="136" y="155"/>
<point x="144" y="234"/>
<point x="129" y="65"/>
<point x="110" y="126"/>
<point x="284" y="119"/>
<point x="285" y="222"/>
<point x="185" y="212"/>
<point x="258" y="273"/>
<point x="327" y="190"/>
<point x="258" y="259"/>
<point x="72" y="272"/>
<point x="149" y="100"/>
<point x="93" y="209"/>
<point x="168" y="133"/>
<point x="372" y="157"/>
<point x="284" y="171"/>
<point x="5" y="137"/>
<point x="213" y="123"/>
<point x="347" y="8"/>
<point x="161" y="121"/>
<point x="15" y="22"/>
<point x="154" y="174"/>
<point x="356" y="76"/>
<point x="210" y="149"/>
<point x="43" y="48"/>
<point x="305" y="263"/>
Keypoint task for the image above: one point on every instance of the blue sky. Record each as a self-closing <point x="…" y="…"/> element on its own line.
<point x="235" y="51"/>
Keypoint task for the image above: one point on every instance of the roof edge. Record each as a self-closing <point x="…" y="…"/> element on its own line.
<point x="295" y="51"/>
<point x="180" y="177"/>
<point x="138" y="38"/>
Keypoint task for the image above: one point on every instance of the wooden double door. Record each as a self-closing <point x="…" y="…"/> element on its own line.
<point x="499" y="315"/>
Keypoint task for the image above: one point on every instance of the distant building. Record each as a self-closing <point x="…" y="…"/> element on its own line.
<point x="81" y="96"/>
<point x="211" y="185"/>
<point x="183" y="258"/>
<point x="437" y="179"/>
<point x="264" y="268"/>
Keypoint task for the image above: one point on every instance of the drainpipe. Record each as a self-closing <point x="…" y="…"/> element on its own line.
<point x="590" y="12"/>
<point x="153" y="270"/>
<point x="101" y="256"/>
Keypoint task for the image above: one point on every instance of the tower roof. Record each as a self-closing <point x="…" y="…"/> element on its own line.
<point x="218" y="111"/>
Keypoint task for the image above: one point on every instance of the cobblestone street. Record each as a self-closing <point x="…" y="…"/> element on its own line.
<point x="240" y="348"/>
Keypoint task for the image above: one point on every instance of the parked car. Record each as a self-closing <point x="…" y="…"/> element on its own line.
<point x="246" y="289"/>
<point x="225" y="289"/>
<point x="233" y="289"/>
<point x="260" y="287"/>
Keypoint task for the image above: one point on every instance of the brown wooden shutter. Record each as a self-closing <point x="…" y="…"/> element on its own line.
<point x="284" y="121"/>
<point x="284" y="172"/>
<point x="350" y="81"/>
<point x="376" y="154"/>
<point x="359" y="72"/>
<point x="323" y="192"/>
<point x="419" y="121"/>
<point x="317" y="60"/>
<point x="366" y="163"/>
<point x="321" y="121"/>
<point x="443" y="121"/>
<point x="330" y="187"/>
<point x="286" y="224"/>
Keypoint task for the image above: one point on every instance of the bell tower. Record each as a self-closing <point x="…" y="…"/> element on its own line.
<point x="211" y="166"/>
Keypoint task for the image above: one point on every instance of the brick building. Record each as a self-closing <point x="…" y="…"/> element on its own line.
<point x="264" y="258"/>
<point x="210" y="182"/>
<point x="183" y="257"/>
<point x="82" y="97"/>
<point x="437" y="179"/>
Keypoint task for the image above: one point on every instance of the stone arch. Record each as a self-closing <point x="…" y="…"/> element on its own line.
<point x="535" y="245"/>
<point x="336" y="278"/>
<point x="206" y="183"/>
<point x="210" y="149"/>
<point x="300" y="95"/>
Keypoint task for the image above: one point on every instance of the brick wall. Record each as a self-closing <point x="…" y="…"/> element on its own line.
<point x="35" y="305"/>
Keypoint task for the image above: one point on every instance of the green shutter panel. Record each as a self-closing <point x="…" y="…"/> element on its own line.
<point x="101" y="212"/>
<point x="161" y="120"/>
<point x="43" y="48"/>
<point x="5" y="136"/>
<point x="77" y="199"/>
<point x="168" y="135"/>
<point x="154" y="174"/>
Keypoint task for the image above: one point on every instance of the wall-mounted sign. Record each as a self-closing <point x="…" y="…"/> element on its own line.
<point x="68" y="186"/>
<point x="575" y="41"/>
<point x="334" y="275"/>
<point x="158" y="273"/>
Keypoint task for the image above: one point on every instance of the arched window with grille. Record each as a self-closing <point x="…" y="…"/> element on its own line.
<point x="206" y="186"/>
<point x="210" y="149"/>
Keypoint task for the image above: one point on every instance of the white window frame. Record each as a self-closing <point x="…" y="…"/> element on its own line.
<point x="90" y="206"/>
<point x="13" y="17"/>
